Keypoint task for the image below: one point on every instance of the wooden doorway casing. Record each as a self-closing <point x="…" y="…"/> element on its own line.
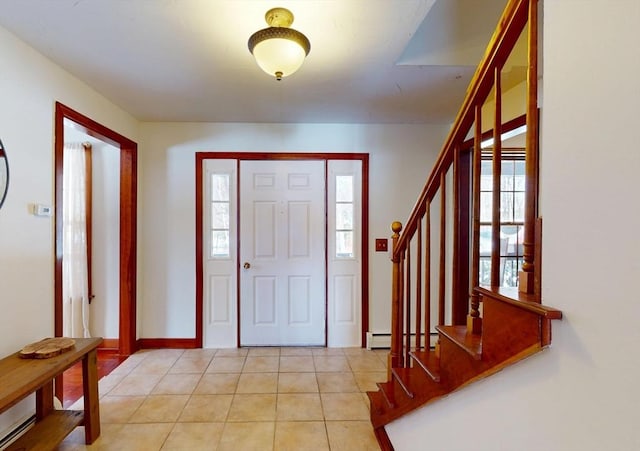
<point x="201" y="156"/>
<point x="128" y="221"/>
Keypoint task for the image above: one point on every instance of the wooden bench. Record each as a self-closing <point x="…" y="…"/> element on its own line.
<point x="20" y="377"/>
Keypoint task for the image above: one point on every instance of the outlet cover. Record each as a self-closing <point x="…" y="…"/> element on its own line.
<point x="381" y="244"/>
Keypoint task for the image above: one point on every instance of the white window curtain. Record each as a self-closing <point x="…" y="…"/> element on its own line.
<point x="75" y="289"/>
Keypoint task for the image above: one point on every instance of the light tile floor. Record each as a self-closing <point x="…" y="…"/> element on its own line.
<point x="238" y="399"/>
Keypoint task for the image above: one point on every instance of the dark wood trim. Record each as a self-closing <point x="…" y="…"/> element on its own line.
<point x="168" y="343"/>
<point x="58" y="201"/>
<point x="128" y="248"/>
<point x="199" y="340"/>
<point x="88" y="169"/>
<point x="110" y="343"/>
<point x="383" y="439"/>
<point x="128" y="220"/>
<point x="326" y="253"/>
<point x="461" y="252"/>
<point x="365" y="246"/>
<point x="238" y="243"/>
<point x="506" y="127"/>
<point x="239" y="156"/>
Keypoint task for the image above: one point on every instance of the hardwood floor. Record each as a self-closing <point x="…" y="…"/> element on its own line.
<point x="108" y="360"/>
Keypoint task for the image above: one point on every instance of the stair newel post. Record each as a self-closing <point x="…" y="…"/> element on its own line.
<point x="395" y="359"/>
<point x="474" y="321"/>
<point x="527" y="282"/>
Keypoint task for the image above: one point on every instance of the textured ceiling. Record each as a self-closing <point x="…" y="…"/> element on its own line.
<point x="371" y="61"/>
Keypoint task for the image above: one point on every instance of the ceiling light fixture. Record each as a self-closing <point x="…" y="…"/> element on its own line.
<point x="279" y="50"/>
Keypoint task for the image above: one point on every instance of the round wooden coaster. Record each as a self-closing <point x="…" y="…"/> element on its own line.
<point x="49" y="347"/>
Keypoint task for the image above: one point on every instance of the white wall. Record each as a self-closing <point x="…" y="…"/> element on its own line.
<point x="29" y="86"/>
<point x="400" y="157"/>
<point x="582" y="393"/>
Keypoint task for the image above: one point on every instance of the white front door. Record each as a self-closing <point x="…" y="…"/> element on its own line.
<point x="282" y="253"/>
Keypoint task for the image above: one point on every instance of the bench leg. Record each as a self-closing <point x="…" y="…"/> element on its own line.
<point x="91" y="400"/>
<point x="44" y="400"/>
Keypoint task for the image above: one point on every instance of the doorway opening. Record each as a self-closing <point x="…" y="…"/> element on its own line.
<point x="126" y="344"/>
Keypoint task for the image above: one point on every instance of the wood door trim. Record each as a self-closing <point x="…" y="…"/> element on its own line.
<point x="128" y="221"/>
<point x="88" y="188"/>
<point x="199" y="161"/>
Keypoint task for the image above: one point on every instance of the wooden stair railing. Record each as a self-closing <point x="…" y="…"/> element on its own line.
<point x="435" y="262"/>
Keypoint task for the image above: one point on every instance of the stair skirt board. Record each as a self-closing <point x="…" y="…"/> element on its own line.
<point x="382" y="340"/>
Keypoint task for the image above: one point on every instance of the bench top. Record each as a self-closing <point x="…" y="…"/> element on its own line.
<point x="20" y="377"/>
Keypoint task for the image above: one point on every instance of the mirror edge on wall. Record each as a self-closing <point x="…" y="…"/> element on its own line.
<point x="4" y="180"/>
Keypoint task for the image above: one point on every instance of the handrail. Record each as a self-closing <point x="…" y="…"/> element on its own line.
<point x="408" y="297"/>
<point x="508" y="30"/>
<point x="521" y="300"/>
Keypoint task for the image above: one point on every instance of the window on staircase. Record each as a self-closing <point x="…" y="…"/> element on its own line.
<point x="512" y="187"/>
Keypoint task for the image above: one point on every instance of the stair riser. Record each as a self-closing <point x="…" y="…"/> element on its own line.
<point x="456" y="365"/>
<point x="500" y="342"/>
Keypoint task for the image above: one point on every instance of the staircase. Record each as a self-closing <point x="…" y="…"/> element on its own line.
<point x="438" y="284"/>
<point x="514" y="328"/>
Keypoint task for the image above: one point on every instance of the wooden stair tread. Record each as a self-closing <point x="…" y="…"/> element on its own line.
<point x="48" y="433"/>
<point x="429" y="362"/>
<point x="471" y="343"/>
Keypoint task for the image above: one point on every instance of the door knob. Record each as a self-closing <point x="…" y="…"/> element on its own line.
<point x="246" y="265"/>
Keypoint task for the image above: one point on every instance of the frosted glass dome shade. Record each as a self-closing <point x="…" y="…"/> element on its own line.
<point x="279" y="56"/>
<point x="279" y="50"/>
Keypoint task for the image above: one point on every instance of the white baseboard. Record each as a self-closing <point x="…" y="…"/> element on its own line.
<point x="382" y="340"/>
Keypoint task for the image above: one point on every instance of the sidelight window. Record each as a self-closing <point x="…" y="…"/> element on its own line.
<point x="220" y="215"/>
<point x="344" y="216"/>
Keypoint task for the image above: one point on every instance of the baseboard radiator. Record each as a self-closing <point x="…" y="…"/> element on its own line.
<point x="382" y="340"/>
<point x="15" y="434"/>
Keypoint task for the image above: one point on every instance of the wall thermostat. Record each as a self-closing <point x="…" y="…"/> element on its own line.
<point x="42" y="210"/>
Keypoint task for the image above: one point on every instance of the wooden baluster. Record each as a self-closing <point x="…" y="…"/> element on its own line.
<point x="407" y="306"/>
<point x="418" y="345"/>
<point x="455" y="257"/>
<point x="427" y="277"/>
<point x="395" y="355"/>
<point x="529" y="281"/>
<point x="497" y="172"/>
<point x="443" y="247"/>
<point x="474" y="322"/>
